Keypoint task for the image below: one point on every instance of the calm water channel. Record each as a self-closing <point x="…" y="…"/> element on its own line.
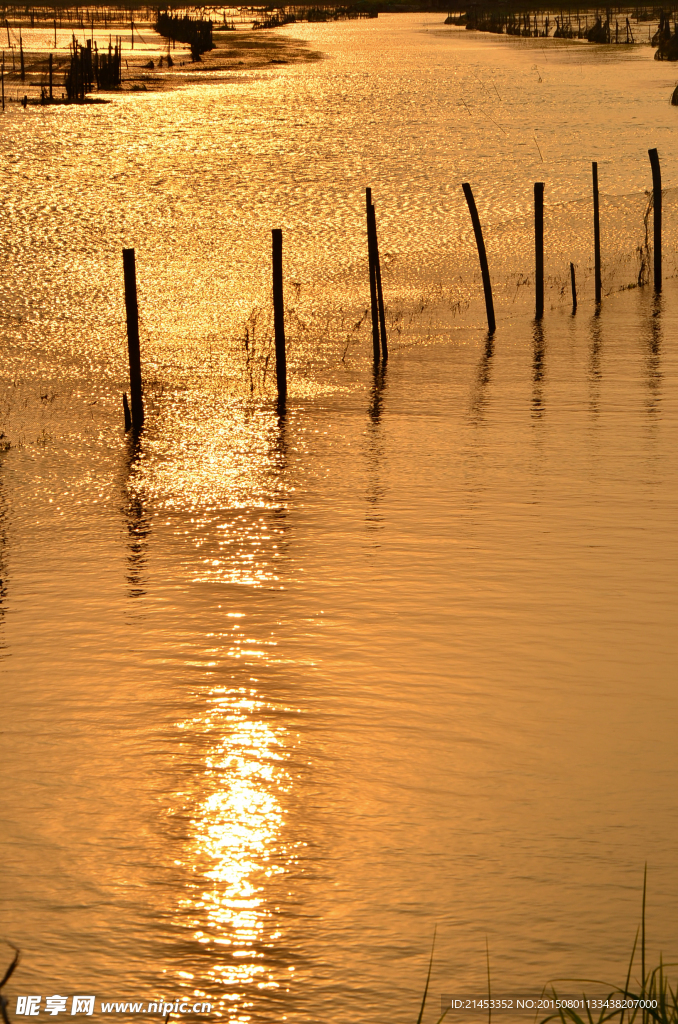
<point x="281" y="695"/>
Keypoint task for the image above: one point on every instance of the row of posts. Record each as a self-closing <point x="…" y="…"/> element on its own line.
<point x="134" y="416"/>
<point x="539" y="242"/>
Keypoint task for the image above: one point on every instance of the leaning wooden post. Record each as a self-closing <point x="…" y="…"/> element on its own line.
<point x="377" y="274"/>
<point x="596" y="236"/>
<point x="279" y="316"/>
<point x="574" y="288"/>
<point x="373" y="278"/>
<point x="132" y="310"/>
<point x="482" y="256"/>
<point x="657" y="207"/>
<point x="539" y="248"/>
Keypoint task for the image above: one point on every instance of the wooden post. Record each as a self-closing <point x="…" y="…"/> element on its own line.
<point x="21" y="51"/>
<point x="574" y="288"/>
<point x="374" y="302"/>
<point x="596" y="236"/>
<point x="132" y="310"/>
<point x="50" y="78"/>
<point x="279" y="316"/>
<point x="539" y="248"/>
<point x="377" y="272"/>
<point x="55" y="42"/>
<point x="482" y="256"/>
<point x="3" y="82"/>
<point x="657" y="207"/>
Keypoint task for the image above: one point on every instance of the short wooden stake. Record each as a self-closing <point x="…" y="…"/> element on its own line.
<point x="374" y="301"/>
<point x="279" y="316"/>
<point x="539" y="248"/>
<point x="574" y="288"/>
<point x="132" y="311"/>
<point x="482" y="256"/>
<point x="377" y="272"/>
<point x="657" y="208"/>
<point x="596" y="236"/>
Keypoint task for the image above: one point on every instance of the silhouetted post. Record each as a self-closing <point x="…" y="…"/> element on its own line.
<point x="373" y="278"/>
<point x="574" y="288"/>
<point x="482" y="256"/>
<point x="657" y="206"/>
<point x="21" y="52"/>
<point x="55" y="42"/>
<point x="596" y="236"/>
<point x="377" y="273"/>
<point x="539" y="248"/>
<point x="50" y="78"/>
<point x="3" y="83"/>
<point x="132" y="310"/>
<point x="279" y="316"/>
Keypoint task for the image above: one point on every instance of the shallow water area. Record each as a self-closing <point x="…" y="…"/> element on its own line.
<point x="283" y="692"/>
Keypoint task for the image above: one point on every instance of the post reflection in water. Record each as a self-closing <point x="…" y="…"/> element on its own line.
<point x="482" y="381"/>
<point x="653" y="357"/>
<point x="137" y="521"/>
<point x="539" y="351"/>
<point x="595" y="374"/>
<point x="375" y="449"/>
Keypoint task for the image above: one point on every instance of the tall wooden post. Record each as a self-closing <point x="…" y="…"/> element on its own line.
<point x="50" y="78"/>
<point x="2" y="75"/>
<point x="132" y="310"/>
<point x="574" y="288"/>
<point x="596" y="236"/>
<point x="482" y="256"/>
<point x="279" y="316"/>
<point x="374" y="301"/>
<point x="539" y="248"/>
<point x="21" y="51"/>
<point x="657" y="207"/>
<point x="372" y="217"/>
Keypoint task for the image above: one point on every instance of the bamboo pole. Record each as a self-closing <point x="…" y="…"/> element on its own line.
<point x="377" y="271"/>
<point x="374" y="301"/>
<point x="596" y="236"/>
<point x="539" y="248"/>
<point x="132" y="311"/>
<point x="279" y="316"/>
<point x="657" y="214"/>
<point x="574" y="288"/>
<point x="482" y="256"/>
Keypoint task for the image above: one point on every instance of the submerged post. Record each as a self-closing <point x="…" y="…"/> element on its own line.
<point x="482" y="256"/>
<point x="657" y="207"/>
<point x="279" y="316"/>
<point x="377" y="273"/>
<point x="574" y="288"/>
<point x="374" y="301"/>
<point x="596" y="236"/>
<point x="539" y="248"/>
<point x="132" y="310"/>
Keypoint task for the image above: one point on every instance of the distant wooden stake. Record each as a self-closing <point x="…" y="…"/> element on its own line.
<point x="132" y="310"/>
<point x="377" y="272"/>
<point x="539" y="248"/>
<point x="574" y="288"/>
<point x="482" y="256"/>
<point x="657" y="207"/>
<point x="374" y="302"/>
<point x="279" y="316"/>
<point x="596" y="236"/>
